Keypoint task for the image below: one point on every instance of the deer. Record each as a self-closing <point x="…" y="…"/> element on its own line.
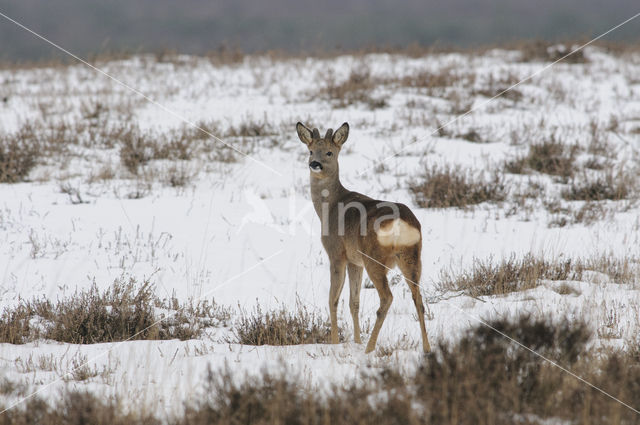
<point x="359" y="232"/>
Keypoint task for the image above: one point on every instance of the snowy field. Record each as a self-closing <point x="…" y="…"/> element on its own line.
<point x="205" y="222"/>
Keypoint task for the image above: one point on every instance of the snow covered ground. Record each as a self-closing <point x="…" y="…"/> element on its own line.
<point x="244" y="233"/>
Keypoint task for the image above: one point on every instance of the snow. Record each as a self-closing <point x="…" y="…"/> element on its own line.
<point x="244" y="235"/>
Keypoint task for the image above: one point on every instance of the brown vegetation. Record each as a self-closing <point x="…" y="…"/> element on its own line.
<point x="357" y="88"/>
<point x="546" y="51"/>
<point x="124" y="311"/>
<point x="447" y="186"/>
<point x="611" y="186"/>
<point x="18" y="155"/>
<point x="488" y="277"/>
<point x="281" y="327"/>
<point x="484" y="378"/>
<point x="549" y="157"/>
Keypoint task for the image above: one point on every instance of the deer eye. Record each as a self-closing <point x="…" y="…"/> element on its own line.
<point x="329" y="153"/>
<point x="310" y="152"/>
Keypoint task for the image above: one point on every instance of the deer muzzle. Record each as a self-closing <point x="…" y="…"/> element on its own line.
<point x="315" y="166"/>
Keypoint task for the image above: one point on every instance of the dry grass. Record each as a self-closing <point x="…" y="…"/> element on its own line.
<point x="124" y="311"/>
<point x="76" y="408"/>
<point x="446" y="186"/>
<point x="139" y="148"/>
<point x="445" y="77"/>
<point x="470" y="135"/>
<point x="482" y="379"/>
<point x="549" y="157"/>
<point x="508" y="275"/>
<point x="589" y="213"/>
<point x="512" y="274"/>
<point x="546" y="51"/>
<point x="252" y="128"/>
<point x="610" y="186"/>
<point x="50" y="142"/>
<point x="357" y="88"/>
<point x="497" y="86"/>
<point x="281" y="327"/>
<point x="624" y="270"/>
<point x="19" y="153"/>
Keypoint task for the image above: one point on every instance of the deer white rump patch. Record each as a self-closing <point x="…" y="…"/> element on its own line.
<point x="398" y="233"/>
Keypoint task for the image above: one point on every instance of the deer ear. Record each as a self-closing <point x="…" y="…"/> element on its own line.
<point x="303" y="133"/>
<point x="341" y="134"/>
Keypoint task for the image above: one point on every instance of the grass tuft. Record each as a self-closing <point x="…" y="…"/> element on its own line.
<point x="608" y="187"/>
<point x="124" y="311"/>
<point x="282" y="327"/>
<point x="549" y="157"/>
<point x="509" y="275"/>
<point x="446" y="186"/>
<point x="18" y="155"/>
<point x="356" y="88"/>
<point x="512" y="274"/>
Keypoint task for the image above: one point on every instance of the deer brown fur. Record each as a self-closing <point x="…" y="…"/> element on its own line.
<point x="359" y="233"/>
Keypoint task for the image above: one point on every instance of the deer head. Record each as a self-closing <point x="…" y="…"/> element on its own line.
<point x="323" y="151"/>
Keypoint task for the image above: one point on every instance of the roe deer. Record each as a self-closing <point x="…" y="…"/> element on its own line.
<point x="357" y="232"/>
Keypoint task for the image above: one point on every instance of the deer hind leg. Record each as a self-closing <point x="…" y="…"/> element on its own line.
<point x="378" y="275"/>
<point x="337" y="282"/>
<point x="411" y="266"/>
<point x="355" y="284"/>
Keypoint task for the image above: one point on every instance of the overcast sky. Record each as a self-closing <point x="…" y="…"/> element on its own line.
<point x="198" y="26"/>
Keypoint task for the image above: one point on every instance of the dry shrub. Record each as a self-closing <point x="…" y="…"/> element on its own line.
<point x="76" y="408"/>
<point x="121" y="312"/>
<point x="357" y="88"/>
<point x="500" y="86"/>
<point x="18" y="155"/>
<point x="512" y="274"/>
<point x="182" y="144"/>
<point x="135" y="152"/>
<point x="124" y="311"/>
<point x="281" y="327"/>
<point x="251" y="128"/>
<point x="562" y="214"/>
<point x="226" y="55"/>
<point x="54" y="137"/>
<point x="437" y="79"/>
<point x="565" y="289"/>
<point x="446" y="186"/>
<point x="611" y="186"/>
<point x="546" y="51"/>
<point x="472" y="136"/>
<point x="484" y="378"/>
<point x="178" y="175"/>
<point x="509" y="275"/>
<point x="8" y="387"/>
<point x="138" y="149"/>
<point x="501" y="92"/>
<point x="623" y="270"/>
<point x="16" y="326"/>
<point x="548" y="157"/>
<point x="589" y="213"/>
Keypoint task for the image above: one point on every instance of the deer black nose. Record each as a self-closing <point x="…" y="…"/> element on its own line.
<point x="315" y="166"/>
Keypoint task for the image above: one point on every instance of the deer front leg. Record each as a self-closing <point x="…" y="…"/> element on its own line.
<point x="337" y="282"/>
<point x="355" y="284"/>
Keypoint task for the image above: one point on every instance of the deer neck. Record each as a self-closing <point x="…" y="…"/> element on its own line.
<point x="327" y="190"/>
